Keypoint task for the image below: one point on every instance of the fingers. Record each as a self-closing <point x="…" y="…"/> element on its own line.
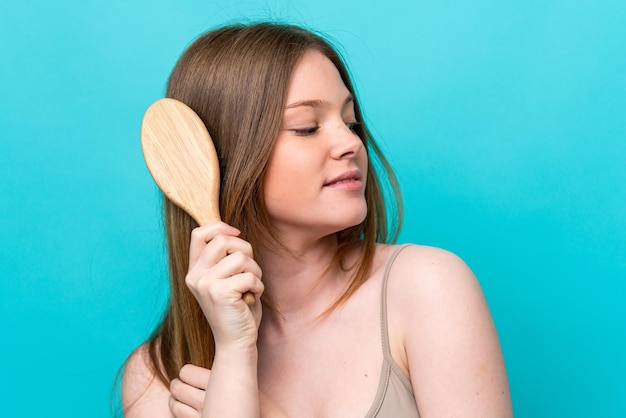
<point x="229" y="261"/>
<point x="221" y="270"/>
<point x="217" y="253"/>
<point x="227" y="291"/>
<point x="201" y="236"/>
<point x="188" y="391"/>
<point x="195" y="376"/>
<point x="182" y="410"/>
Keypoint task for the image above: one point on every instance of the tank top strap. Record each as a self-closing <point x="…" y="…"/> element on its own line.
<point x="384" y="329"/>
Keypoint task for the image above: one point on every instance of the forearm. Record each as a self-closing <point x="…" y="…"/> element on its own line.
<point x="233" y="389"/>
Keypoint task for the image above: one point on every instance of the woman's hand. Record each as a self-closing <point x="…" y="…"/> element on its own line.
<point x="221" y="270"/>
<point x="187" y="392"/>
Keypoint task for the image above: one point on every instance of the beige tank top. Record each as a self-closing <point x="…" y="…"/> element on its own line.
<point x="394" y="398"/>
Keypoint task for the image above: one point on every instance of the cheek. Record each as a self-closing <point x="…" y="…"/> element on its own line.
<point x="363" y="162"/>
<point x="293" y="162"/>
<point x="285" y="190"/>
<point x="285" y="171"/>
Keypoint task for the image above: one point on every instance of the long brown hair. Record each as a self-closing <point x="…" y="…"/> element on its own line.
<point x="236" y="78"/>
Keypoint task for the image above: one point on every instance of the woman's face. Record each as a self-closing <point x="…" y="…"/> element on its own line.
<point x="315" y="181"/>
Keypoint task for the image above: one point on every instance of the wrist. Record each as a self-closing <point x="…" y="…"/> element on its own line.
<point x="234" y="381"/>
<point x="241" y="354"/>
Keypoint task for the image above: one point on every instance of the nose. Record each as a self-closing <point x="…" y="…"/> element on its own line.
<point x="346" y="143"/>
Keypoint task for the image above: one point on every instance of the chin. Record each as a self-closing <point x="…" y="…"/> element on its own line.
<point x="354" y="220"/>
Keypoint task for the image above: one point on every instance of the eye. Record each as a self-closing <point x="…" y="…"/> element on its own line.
<point x="306" y="131"/>
<point x="353" y="126"/>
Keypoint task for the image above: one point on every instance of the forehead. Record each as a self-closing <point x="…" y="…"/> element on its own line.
<point x="315" y="77"/>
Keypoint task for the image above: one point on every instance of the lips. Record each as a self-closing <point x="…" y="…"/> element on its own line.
<point x="347" y="177"/>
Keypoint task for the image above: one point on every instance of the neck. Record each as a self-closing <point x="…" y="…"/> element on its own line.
<point x="300" y="280"/>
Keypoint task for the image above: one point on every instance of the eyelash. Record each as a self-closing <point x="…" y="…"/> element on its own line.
<point x="353" y="126"/>
<point x="306" y="131"/>
<point x="312" y="130"/>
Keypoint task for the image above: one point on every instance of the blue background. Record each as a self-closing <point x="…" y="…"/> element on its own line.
<point x="505" y="121"/>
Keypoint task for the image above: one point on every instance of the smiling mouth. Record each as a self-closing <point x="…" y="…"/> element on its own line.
<point x="342" y="181"/>
<point x="345" y="179"/>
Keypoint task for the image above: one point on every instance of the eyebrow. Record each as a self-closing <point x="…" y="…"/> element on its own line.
<point x="316" y="103"/>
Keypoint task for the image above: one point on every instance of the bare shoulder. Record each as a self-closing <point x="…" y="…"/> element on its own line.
<point x="435" y="263"/>
<point x="429" y="286"/>
<point x="143" y="394"/>
<point x="432" y="276"/>
<point x="443" y="336"/>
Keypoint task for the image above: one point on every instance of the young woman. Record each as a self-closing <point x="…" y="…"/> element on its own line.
<point x="343" y="325"/>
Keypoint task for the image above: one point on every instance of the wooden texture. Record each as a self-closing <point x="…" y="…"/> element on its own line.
<point x="181" y="158"/>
